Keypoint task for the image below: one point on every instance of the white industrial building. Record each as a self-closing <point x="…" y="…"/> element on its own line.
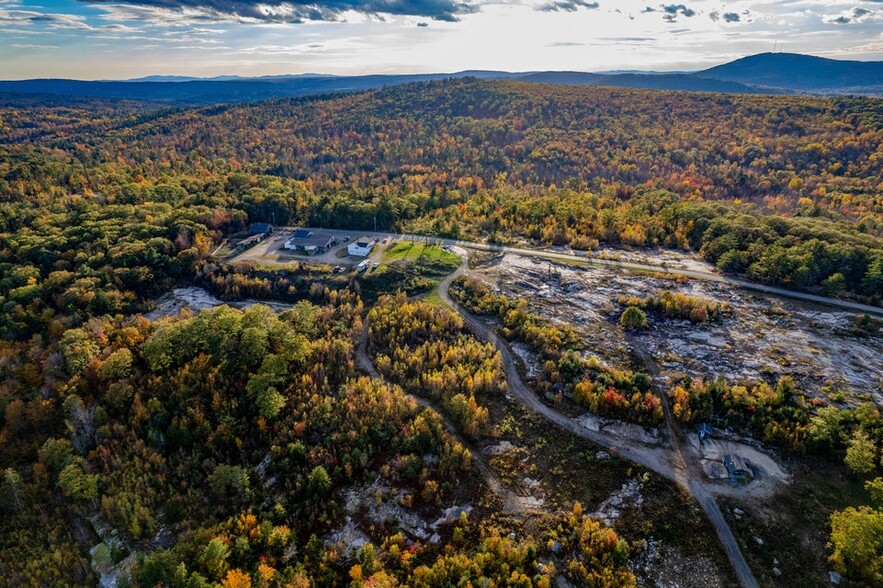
<point x="360" y="248"/>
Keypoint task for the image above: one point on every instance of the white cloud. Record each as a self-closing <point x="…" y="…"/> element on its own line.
<point x="47" y="19"/>
<point x="504" y="34"/>
<point x="31" y="46"/>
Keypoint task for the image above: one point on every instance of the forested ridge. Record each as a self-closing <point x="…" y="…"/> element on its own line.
<point x="783" y="189"/>
<point x="222" y="448"/>
<point x="215" y="449"/>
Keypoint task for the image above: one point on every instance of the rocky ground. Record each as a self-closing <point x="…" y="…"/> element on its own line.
<point x="196" y="299"/>
<point x="765" y="337"/>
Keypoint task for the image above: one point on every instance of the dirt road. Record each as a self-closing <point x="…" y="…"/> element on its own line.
<point x="672" y="463"/>
<point x="679" y="462"/>
<point x="512" y="502"/>
<point x="649" y="264"/>
<point x="690" y="463"/>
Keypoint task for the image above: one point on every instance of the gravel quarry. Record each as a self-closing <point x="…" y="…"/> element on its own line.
<point x="197" y="299"/>
<point x="711" y="453"/>
<point x="764" y="338"/>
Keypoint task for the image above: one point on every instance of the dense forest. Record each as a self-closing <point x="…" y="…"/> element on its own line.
<point x="223" y="448"/>
<point x="785" y="190"/>
<point x="216" y="448"/>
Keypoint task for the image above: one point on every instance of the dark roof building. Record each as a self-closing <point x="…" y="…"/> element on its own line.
<point x="737" y="467"/>
<point x="705" y="431"/>
<point x="260" y="228"/>
<point x="310" y="242"/>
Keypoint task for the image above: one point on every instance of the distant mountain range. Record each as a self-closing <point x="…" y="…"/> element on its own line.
<point x="223" y="78"/>
<point x="765" y="73"/>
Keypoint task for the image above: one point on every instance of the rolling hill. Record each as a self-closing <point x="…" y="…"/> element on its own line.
<point x="656" y="81"/>
<point x="802" y="73"/>
<point x="767" y="73"/>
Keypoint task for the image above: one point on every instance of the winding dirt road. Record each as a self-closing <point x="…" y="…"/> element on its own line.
<point x="679" y="462"/>
<point x="512" y="502"/>
<point x="674" y="464"/>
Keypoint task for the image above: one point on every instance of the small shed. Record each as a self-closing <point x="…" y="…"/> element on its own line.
<point x="260" y="229"/>
<point x="251" y="241"/>
<point x="705" y="431"/>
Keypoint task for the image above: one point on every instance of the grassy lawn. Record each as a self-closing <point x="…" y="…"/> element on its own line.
<point x="411" y="251"/>
<point x="432" y="297"/>
<point x="411" y="267"/>
<point x="225" y="252"/>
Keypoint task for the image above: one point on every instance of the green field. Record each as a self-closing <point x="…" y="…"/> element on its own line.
<point x="433" y="297"/>
<point x="412" y="251"/>
<point x="410" y="267"/>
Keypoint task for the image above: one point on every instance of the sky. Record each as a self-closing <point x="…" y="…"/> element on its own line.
<point x="121" y="39"/>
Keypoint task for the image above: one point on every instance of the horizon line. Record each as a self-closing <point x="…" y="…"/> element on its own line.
<point x="183" y="78"/>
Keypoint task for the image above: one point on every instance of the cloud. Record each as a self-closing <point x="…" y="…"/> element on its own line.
<point x="858" y="14"/>
<point x="627" y="39"/>
<point x="50" y="20"/>
<point x="566" y="6"/>
<point x="675" y="9"/>
<point x="565" y="44"/>
<point x="119" y="28"/>
<point x="285" y="11"/>
<point x="727" y="16"/>
<point x="32" y="46"/>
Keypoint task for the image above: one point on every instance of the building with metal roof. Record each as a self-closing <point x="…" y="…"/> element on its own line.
<point x="260" y="228"/>
<point x="307" y="241"/>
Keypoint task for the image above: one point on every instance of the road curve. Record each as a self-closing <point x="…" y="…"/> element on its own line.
<point x="669" y="464"/>
<point x="649" y="457"/>
<point x="512" y="502"/>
